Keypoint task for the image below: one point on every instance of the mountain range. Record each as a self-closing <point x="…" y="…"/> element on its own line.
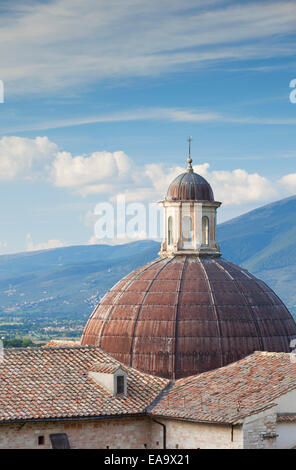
<point x="68" y="282"/>
<point x="264" y="242"/>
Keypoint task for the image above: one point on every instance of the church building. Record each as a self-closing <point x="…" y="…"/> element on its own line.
<point x="187" y="351"/>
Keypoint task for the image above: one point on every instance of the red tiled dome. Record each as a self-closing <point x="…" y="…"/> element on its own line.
<point x="190" y="186"/>
<point x="180" y="316"/>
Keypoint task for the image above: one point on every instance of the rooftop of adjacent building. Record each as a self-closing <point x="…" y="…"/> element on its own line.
<point x="53" y="383"/>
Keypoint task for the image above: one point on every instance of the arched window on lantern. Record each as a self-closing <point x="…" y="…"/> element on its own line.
<point x="170" y="230"/>
<point x="205" y="230"/>
<point x="187" y="229"/>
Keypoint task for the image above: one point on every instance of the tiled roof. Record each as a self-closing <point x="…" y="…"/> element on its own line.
<point x="40" y="383"/>
<point x="105" y="367"/>
<point x="227" y="394"/>
<point x="286" y="418"/>
<point x="49" y="383"/>
<point x="59" y="343"/>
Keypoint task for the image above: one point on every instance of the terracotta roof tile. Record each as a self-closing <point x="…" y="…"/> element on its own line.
<point x="232" y="392"/>
<point x="62" y="343"/>
<point x="38" y="383"/>
<point x="106" y="368"/>
<point x="286" y="418"/>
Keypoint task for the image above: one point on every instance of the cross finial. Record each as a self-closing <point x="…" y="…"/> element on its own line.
<point x="189" y="144"/>
<point x="189" y="160"/>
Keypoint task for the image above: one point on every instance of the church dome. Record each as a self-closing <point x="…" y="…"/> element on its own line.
<point x="190" y="186"/>
<point x="183" y="315"/>
<point x="189" y="311"/>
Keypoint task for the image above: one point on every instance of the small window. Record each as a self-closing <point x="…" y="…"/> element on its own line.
<point x="40" y="440"/>
<point x="187" y="228"/>
<point x="170" y="230"/>
<point x="205" y="230"/>
<point x="120" y="384"/>
<point x="59" y="441"/>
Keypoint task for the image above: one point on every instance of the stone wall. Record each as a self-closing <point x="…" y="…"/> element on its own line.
<point x="185" y="435"/>
<point x="138" y="433"/>
<point x="121" y="433"/>
<point x="256" y="429"/>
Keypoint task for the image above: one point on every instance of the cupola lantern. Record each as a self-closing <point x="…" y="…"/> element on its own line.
<point x="190" y="216"/>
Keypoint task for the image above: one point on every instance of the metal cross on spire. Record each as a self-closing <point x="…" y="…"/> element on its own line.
<point x="189" y="160"/>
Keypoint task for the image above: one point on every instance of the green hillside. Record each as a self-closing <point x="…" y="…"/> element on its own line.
<point x="264" y="242"/>
<point x="51" y="293"/>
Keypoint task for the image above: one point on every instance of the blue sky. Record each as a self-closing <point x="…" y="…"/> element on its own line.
<point x="100" y="96"/>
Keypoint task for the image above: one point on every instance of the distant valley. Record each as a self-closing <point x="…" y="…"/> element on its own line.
<point x="51" y="293"/>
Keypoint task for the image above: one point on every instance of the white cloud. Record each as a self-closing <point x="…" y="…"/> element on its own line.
<point x="238" y="190"/>
<point x="289" y="181"/>
<point x="22" y="158"/>
<point x="142" y="114"/>
<point x="111" y="173"/>
<point x="238" y="186"/>
<point x="134" y="194"/>
<point x="231" y="187"/>
<point x="100" y="172"/>
<point x="58" y="44"/>
<point x="50" y="244"/>
<point x="154" y="114"/>
<point x="97" y="173"/>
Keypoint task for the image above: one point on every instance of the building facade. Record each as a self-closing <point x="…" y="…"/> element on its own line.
<point x="188" y="351"/>
<point x="50" y="398"/>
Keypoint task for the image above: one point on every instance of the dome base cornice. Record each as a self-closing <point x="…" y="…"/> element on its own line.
<point x="193" y="253"/>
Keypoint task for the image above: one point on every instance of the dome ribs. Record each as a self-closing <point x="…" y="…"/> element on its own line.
<point x="168" y="261"/>
<point x="215" y="312"/>
<point x="95" y="337"/>
<point x="282" y="321"/>
<point x="198" y="338"/>
<point x="190" y="187"/>
<point x="175" y="357"/>
<point x="259" y="335"/>
<point x="179" y="186"/>
<point x="184" y="315"/>
<point x="193" y="193"/>
<point x="188" y="311"/>
<point x="121" y="293"/>
<point x="271" y="316"/>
